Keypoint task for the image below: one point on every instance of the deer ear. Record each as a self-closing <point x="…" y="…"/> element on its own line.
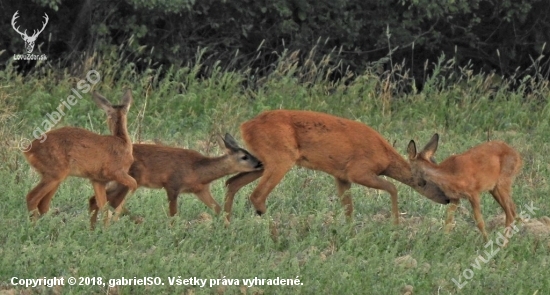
<point x="127" y="100"/>
<point x="411" y="150"/>
<point x="230" y="142"/>
<point x="431" y="147"/>
<point x="102" y="102"/>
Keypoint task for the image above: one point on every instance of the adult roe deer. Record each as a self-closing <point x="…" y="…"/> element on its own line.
<point x="72" y="151"/>
<point x="490" y="166"/>
<point x="350" y="151"/>
<point x="180" y="170"/>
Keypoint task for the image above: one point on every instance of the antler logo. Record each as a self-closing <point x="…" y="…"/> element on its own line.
<point x="29" y="40"/>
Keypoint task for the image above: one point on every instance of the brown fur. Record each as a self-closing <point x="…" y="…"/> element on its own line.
<point x="71" y="151"/>
<point x="181" y="171"/>
<point x="490" y="166"/>
<point x="350" y="151"/>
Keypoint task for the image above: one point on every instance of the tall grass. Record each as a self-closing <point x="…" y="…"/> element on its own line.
<point x="304" y="232"/>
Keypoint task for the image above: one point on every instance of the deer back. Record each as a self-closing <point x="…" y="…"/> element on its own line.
<point x="156" y="166"/>
<point x="78" y="152"/>
<point x="317" y="141"/>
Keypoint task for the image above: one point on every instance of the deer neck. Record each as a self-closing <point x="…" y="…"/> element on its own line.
<point x="210" y="169"/>
<point x="400" y="170"/>
<point x="119" y="129"/>
<point x="444" y="180"/>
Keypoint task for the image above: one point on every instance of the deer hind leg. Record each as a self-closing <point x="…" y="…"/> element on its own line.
<point x="508" y="174"/>
<point x="206" y="197"/>
<point x="374" y="181"/>
<point x="128" y="181"/>
<point x="272" y="175"/>
<point x="476" y="207"/>
<point x="44" y="204"/>
<point x="46" y="187"/>
<point x="125" y="179"/>
<point x="115" y="196"/>
<point x="234" y="184"/>
<point x="449" y="220"/>
<point x="345" y="196"/>
<point x="101" y="199"/>
<point x="501" y="193"/>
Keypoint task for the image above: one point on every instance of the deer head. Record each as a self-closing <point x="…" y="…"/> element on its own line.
<point x="29" y="40"/>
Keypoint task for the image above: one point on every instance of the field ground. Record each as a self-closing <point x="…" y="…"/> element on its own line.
<point x="304" y="234"/>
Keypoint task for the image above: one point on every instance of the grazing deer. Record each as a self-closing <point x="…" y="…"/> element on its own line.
<point x="350" y="151"/>
<point x="180" y="170"/>
<point x="490" y="166"/>
<point x="71" y="151"/>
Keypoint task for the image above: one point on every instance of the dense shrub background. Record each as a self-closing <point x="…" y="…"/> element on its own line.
<point x="505" y="36"/>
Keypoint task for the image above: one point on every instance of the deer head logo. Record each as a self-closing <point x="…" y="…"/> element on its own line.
<point x="29" y="40"/>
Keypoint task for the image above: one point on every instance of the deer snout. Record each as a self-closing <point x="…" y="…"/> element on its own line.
<point x="259" y="166"/>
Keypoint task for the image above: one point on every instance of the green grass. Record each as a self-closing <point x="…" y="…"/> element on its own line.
<point x="304" y="233"/>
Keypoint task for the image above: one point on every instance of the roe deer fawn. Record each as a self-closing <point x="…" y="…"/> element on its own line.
<point x="490" y="166"/>
<point x="350" y="151"/>
<point x="180" y="170"/>
<point x="71" y="151"/>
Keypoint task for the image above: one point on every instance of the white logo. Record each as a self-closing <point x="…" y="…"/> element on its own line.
<point x="29" y="40"/>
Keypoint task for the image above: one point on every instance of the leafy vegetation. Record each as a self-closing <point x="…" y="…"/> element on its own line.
<point x="495" y="36"/>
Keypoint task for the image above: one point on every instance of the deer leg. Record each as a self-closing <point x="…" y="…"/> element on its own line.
<point x="234" y="184"/>
<point x="501" y="193"/>
<point x="206" y="197"/>
<point x="449" y="221"/>
<point x="101" y="199"/>
<point x="474" y="201"/>
<point x="119" y="209"/>
<point x="128" y="181"/>
<point x="272" y="175"/>
<point x="172" y="200"/>
<point x="115" y="195"/>
<point x="116" y="198"/>
<point x="36" y="195"/>
<point x="374" y="181"/>
<point x="44" y="204"/>
<point x="93" y="209"/>
<point x="125" y="179"/>
<point x="345" y="196"/>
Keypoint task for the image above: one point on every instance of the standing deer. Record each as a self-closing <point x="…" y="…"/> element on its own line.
<point x="71" y="151"/>
<point x="29" y="40"/>
<point x="181" y="171"/>
<point x="490" y="166"/>
<point x="350" y="151"/>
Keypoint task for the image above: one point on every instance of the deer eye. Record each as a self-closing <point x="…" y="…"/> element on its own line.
<point x="244" y="158"/>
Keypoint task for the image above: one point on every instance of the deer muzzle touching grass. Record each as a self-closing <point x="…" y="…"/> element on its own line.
<point x="71" y="151"/>
<point x="180" y="170"/>
<point x="491" y="166"/>
<point x="350" y="151"/>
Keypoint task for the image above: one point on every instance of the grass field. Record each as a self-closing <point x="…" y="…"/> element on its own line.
<point x="304" y="234"/>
